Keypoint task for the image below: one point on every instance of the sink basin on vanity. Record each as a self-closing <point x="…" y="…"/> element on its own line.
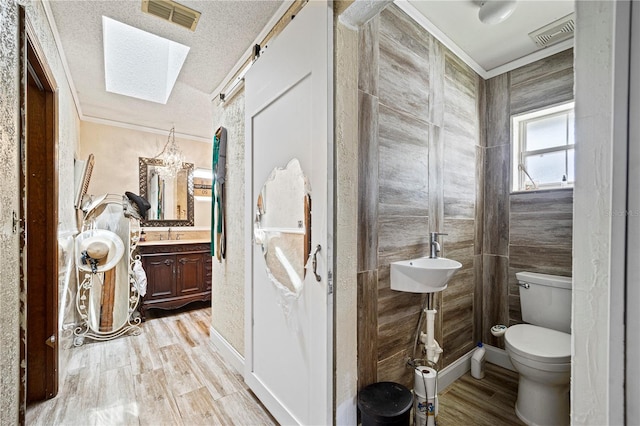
<point x="423" y="275"/>
<point x="178" y="272"/>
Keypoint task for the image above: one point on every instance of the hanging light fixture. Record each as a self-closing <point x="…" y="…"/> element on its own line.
<point x="495" y="11"/>
<point x="171" y="157"/>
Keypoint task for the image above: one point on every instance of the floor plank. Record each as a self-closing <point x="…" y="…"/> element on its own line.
<point x="171" y="374"/>
<point x="489" y="401"/>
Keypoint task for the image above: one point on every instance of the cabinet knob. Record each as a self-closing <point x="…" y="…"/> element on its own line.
<point x="167" y="262"/>
<point x="183" y="260"/>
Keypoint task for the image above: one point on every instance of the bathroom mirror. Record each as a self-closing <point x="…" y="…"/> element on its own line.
<point x="171" y="198"/>
<point x="282" y="226"/>
<point x="107" y="295"/>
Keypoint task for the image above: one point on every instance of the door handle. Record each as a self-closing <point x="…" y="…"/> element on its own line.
<point x="314" y="262"/>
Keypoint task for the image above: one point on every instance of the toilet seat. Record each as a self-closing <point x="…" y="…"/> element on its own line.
<point x="539" y="344"/>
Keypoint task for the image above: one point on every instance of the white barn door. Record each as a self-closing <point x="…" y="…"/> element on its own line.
<point x="288" y="110"/>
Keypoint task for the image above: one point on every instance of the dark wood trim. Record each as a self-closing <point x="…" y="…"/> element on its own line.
<point x="22" y="62"/>
<point x="39" y="215"/>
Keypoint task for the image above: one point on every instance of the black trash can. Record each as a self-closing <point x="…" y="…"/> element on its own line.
<point x="385" y="403"/>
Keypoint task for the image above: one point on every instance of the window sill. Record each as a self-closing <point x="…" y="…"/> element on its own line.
<point x="537" y="191"/>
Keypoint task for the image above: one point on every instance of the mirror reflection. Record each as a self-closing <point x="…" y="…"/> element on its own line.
<point x="283" y="226"/>
<point x="171" y="197"/>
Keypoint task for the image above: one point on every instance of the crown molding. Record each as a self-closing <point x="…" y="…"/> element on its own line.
<point x="425" y="23"/>
<point x="284" y="7"/>
<point x="145" y="129"/>
<point x="530" y="58"/>
<point x="76" y="101"/>
<point x="65" y="65"/>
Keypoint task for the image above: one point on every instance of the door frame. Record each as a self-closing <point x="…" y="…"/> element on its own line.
<point x="33" y="61"/>
<point x="327" y="269"/>
<point x="631" y="326"/>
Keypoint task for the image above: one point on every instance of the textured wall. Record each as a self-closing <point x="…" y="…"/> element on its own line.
<point x="591" y="387"/>
<point x="67" y="127"/>
<point x="116" y="152"/>
<point x="9" y="276"/>
<point x="418" y="141"/>
<point x="227" y="297"/>
<point x="522" y="231"/>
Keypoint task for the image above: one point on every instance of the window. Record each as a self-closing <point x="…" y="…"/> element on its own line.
<point x="544" y="147"/>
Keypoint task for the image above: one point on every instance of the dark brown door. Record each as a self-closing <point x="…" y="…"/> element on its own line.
<point x="40" y="196"/>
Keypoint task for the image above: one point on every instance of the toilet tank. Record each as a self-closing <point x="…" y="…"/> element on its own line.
<point x="545" y="300"/>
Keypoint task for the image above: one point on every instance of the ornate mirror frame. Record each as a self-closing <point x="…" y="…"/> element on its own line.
<point x="143" y="164"/>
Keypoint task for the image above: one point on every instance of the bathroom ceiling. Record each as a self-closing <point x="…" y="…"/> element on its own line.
<point x="490" y="49"/>
<point x="225" y="31"/>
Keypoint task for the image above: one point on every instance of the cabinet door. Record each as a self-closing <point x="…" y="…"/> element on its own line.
<point x="190" y="273"/>
<point x="161" y="270"/>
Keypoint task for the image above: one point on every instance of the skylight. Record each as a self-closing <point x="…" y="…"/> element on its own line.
<point x="138" y="63"/>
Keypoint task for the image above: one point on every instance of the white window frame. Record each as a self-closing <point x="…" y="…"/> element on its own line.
<point x="518" y="144"/>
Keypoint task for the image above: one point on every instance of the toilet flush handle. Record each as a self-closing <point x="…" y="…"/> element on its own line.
<point x="524" y="285"/>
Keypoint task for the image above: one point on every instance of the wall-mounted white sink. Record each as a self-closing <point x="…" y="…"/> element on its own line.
<point x="422" y="275"/>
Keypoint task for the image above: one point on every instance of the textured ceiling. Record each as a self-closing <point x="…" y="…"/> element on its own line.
<point x="491" y="46"/>
<point x="227" y="28"/>
<point x="224" y="33"/>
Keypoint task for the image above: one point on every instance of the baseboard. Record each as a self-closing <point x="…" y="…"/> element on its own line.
<point x="228" y="352"/>
<point x="498" y="357"/>
<point x="454" y="371"/>
<point x="347" y="413"/>
<point x="446" y="376"/>
<point x="459" y="367"/>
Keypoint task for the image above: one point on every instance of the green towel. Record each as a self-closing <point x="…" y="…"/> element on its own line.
<point x="217" y="199"/>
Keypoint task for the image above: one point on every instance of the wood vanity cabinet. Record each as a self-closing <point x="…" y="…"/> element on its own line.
<point x="177" y="274"/>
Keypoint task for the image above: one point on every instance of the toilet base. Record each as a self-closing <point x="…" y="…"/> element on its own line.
<point x="541" y="404"/>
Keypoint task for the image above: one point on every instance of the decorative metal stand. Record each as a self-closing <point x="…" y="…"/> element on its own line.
<point x="88" y="282"/>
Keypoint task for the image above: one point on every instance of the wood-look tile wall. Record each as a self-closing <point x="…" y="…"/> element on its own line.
<point x="522" y="231"/>
<point x="420" y="167"/>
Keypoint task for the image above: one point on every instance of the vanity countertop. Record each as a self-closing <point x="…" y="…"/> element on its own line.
<point x="174" y="242"/>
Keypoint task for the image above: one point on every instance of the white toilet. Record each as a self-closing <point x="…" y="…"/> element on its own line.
<point x="540" y="351"/>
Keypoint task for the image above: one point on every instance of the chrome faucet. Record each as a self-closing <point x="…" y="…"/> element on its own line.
<point x="434" y="245"/>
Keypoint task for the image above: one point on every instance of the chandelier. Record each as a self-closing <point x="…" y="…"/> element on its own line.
<point x="171" y="157"/>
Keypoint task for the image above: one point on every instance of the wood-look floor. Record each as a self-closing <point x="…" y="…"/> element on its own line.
<point x="172" y="375"/>
<point x="489" y="401"/>
<point x="169" y="375"/>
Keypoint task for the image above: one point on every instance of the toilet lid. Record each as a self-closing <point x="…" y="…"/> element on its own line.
<point x="539" y="344"/>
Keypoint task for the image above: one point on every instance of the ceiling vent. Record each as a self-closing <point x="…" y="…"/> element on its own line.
<point x="555" y="32"/>
<point x="172" y="12"/>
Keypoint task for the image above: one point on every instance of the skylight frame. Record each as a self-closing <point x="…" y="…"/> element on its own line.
<point x="140" y="64"/>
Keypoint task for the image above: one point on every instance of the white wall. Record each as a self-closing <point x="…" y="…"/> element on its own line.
<point x="592" y="245"/>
